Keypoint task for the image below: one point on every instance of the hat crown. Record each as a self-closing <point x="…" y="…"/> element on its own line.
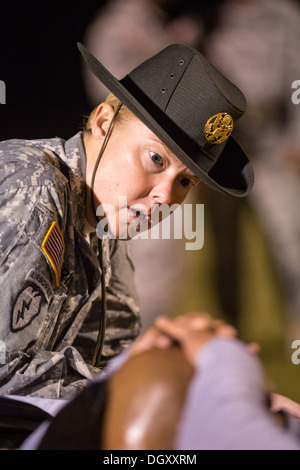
<point x="189" y="90"/>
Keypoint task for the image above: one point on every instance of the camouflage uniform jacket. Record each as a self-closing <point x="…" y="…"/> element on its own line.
<point x="50" y="273"/>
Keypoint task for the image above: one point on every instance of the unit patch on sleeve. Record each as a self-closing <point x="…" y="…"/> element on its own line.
<point x="42" y="282"/>
<point x="26" y="307"/>
<point x="54" y="247"/>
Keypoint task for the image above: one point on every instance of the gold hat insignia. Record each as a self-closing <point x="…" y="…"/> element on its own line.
<point x="218" y="128"/>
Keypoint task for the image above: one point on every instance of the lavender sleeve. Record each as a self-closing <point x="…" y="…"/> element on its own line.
<point x="226" y="404"/>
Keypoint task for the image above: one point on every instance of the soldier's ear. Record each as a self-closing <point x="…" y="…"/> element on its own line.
<point x="101" y="121"/>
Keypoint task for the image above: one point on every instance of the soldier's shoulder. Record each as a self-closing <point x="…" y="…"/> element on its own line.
<point x="30" y="163"/>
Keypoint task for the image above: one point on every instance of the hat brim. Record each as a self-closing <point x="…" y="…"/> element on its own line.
<point x="231" y="174"/>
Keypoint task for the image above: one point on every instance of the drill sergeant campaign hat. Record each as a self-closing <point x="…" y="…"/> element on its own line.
<point x="192" y="108"/>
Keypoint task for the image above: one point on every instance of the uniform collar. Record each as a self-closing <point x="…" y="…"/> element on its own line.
<point x="75" y="158"/>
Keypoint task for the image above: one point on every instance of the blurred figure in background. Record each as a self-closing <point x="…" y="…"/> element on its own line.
<point x="126" y="32"/>
<point x="256" y="43"/>
<point x="123" y="34"/>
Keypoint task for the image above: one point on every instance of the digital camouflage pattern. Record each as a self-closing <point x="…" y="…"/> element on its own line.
<point x="50" y="310"/>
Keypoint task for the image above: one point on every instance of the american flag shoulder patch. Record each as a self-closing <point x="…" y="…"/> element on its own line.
<point x="54" y="248"/>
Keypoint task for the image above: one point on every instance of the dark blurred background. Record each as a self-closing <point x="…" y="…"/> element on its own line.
<point x="40" y="64"/>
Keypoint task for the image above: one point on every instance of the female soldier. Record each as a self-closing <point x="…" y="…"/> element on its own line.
<point x="167" y="125"/>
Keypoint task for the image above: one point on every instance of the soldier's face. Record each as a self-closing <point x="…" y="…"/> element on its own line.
<point x="136" y="172"/>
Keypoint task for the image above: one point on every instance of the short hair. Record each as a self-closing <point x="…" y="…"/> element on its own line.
<point x="123" y="114"/>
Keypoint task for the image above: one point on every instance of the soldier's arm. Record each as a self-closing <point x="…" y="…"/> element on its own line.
<point x="32" y="225"/>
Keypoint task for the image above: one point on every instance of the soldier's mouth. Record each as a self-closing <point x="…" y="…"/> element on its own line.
<point x="138" y="214"/>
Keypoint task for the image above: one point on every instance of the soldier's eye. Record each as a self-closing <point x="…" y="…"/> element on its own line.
<point x="185" y="182"/>
<point x="156" y="158"/>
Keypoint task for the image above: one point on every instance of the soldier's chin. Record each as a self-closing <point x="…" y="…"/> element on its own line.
<point x="131" y="231"/>
<point x="119" y="231"/>
<point x="124" y="231"/>
<point x="138" y="228"/>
